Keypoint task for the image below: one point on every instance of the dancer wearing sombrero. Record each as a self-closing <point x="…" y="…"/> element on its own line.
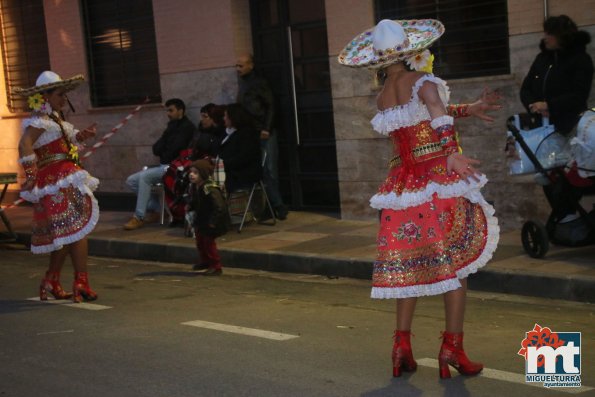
<point x="64" y="209"/>
<point x="435" y="226"/>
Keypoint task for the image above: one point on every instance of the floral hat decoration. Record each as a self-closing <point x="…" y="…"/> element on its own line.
<point x="47" y="80"/>
<point x="393" y="41"/>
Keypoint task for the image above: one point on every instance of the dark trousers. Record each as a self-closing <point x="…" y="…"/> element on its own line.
<point x="207" y="249"/>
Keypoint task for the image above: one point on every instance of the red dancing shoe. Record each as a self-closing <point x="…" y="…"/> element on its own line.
<point x="402" y="354"/>
<point x="81" y="288"/>
<point x="452" y="353"/>
<point x="51" y="283"/>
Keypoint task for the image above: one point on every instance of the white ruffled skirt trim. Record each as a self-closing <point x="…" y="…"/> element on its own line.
<point x="470" y="192"/>
<point x="470" y="189"/>
<point x="80" y="179"/>
<point x="58" y="243"/>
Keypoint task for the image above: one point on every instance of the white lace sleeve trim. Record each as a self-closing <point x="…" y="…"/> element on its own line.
<point x="51" y="133"/>
<point x="52" y="130"/>
<point x="443" y="90"/>
<point x="27" y="159"/>
<point x="413" y="112"/>
<point x="80" y="179"/>
<point x="442" y="120"/>
<point x="70" y="131"/>
<point x="42" y="123"/>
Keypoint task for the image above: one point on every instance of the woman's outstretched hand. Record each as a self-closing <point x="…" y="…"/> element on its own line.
<point x="87" y="133"/>
<point x="488" y="101"/>
<point x="463" y="166"/>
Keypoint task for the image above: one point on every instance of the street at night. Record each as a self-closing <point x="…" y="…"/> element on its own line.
<point x="159" y="329"/>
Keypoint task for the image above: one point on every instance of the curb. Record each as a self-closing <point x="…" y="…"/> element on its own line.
<point x="565" y="288"/>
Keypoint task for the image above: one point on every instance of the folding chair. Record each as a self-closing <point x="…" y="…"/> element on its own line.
<point x="159" y="189"/>
<point x="258" y="185"/>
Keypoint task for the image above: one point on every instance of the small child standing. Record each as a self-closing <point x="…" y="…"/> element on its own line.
<point x="211" y="216"/>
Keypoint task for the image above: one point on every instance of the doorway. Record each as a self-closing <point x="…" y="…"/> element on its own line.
<point x="291" y="52"/>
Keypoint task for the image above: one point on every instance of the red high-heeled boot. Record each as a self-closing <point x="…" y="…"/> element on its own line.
<point x="81" y="289"/>
<point x="452" y="353"/>
<point x="51" y="283"/>
<point x="402" y="354"/>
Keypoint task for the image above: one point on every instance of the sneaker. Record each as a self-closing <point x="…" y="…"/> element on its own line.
<point x="212" y="272"/>
<point x="200" y="266"/>
<point x="134" y="223"/>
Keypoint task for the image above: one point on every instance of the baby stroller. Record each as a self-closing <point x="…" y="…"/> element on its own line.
<point x="566" y="169"/>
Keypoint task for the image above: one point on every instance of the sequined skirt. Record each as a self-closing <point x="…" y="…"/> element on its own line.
<point x="425" y="249"/>
<point x="62" y="218"/>
<point x="64" y="208"/>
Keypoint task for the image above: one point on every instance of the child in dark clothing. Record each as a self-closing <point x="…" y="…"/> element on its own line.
<point x="211" y="217"/>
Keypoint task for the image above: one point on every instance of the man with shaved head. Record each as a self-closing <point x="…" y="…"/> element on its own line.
<point x="255" y="95"/>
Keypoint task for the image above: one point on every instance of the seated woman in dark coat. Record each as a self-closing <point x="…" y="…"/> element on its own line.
<point x="211" y="131"/>
<point x="240" y="150"/>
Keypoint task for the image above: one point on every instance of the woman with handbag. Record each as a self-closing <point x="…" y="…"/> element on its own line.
<point x="559" y="80"/>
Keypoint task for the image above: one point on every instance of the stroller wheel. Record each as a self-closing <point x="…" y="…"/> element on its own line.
<point x="535" y="239"/>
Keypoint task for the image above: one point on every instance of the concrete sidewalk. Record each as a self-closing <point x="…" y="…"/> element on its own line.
<point x="321" y="244"/>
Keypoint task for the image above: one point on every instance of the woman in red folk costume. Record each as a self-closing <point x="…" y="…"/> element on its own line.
<point x="64" y="209"/>
<point x="435" y="226"/>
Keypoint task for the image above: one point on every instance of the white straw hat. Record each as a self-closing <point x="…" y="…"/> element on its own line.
<point x="390" y="41"/>
<point x="49" y="80"/>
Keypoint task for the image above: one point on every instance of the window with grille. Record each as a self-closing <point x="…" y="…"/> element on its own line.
<point x="121" y="50"/>
<point x="24" y="47"/>
<point x="475" y="42"/>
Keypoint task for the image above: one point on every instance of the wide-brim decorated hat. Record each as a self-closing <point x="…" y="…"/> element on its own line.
<point x="389" y="42"/>
<point x="49" y="80"/>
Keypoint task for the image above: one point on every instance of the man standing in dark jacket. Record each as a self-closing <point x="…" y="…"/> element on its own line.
<point x="255" y="95"/>
<point x="174" y="139"/>
<point x="559" y="80"/>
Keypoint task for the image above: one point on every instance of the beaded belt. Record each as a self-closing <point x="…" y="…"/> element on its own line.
<point x="419" y="151"/>
<point x="51" y="158"/>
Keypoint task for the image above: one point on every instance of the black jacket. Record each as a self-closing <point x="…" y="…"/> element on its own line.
<point x="207" y="142"/>
<point x="211" y="216"/>
<point x="255" y="95"/>
<point x="174" y="139"/>
<point x="562" y="78"/>
<point x="241" y="155"/>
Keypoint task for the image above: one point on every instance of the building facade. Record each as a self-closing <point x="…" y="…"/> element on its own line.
<point x="331" y="159"/>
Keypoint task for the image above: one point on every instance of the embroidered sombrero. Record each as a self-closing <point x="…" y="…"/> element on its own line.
<point x="49" y="80"/>
<point x="390" y="42"/>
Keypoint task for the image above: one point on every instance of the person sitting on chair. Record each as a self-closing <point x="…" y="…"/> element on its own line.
<point x="174" y="139"/>
<point x="211" y="131"/>
<point x="240" y="150"/>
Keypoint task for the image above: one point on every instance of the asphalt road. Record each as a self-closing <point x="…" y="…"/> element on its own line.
<point x="151" y="334"/>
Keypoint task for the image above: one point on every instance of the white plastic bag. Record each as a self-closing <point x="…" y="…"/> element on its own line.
<point x="583" y="145"/>
<point x="551" y="149"/>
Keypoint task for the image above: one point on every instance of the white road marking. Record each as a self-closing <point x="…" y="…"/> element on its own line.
<point x="68" y="331"/>
<point x="241" y="330"/>
<point x="510" y="377"/>
<point x="69" y="303"/>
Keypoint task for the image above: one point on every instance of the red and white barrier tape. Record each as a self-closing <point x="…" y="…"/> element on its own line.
<point x="97" y="145"/>
<point x="111" y="133"/>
